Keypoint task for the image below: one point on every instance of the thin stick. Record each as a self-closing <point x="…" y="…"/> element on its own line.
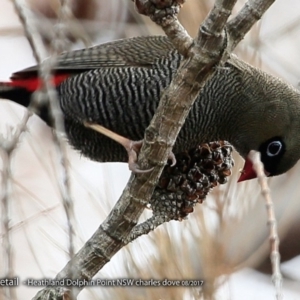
<point x="7" y="267"/>
<point x="273" y="233"/>
<point x="251" y="12"/>
<point x="45" y="69"/>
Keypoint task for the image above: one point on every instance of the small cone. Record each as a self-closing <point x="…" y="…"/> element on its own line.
<point x="196" y="172"/>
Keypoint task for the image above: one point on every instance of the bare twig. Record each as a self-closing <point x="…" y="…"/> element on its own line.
<point x="4" y="198"/>
<point x="7" y="147"/>
<point x="58" y="45"/>
<point x="45" y="70"/>
<point x="273" y="233"/>
<point x="146" y="227"/>
<point x="252" y="11"/>
<point x="164" y="14"/>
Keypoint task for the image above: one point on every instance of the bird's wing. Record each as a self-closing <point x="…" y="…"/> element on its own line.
<point x="138" y="51"/>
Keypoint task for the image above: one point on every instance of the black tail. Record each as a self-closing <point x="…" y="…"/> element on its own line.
<point x="17" y="94"/>
<point x="23" y="97"/>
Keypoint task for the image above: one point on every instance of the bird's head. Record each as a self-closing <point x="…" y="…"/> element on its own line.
<point x="278" y="155"/>
<point x="271" y="125"/>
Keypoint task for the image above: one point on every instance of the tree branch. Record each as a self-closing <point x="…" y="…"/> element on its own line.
<point x="202" y="54"/>
<point x="252" y="11"/>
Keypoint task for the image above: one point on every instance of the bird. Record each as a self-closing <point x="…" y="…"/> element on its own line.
<point x="114" y="88"/>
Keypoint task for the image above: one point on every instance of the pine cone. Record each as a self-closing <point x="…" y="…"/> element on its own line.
<point x="196" y="172"/>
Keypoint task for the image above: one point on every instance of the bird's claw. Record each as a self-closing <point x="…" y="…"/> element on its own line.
<point x="172" y="158"/>
<point x="133" y="149"/>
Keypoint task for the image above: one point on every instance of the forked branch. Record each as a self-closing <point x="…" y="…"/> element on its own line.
<point x="216" y="39"/>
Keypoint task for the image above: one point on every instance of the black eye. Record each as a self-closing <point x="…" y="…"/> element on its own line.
<point x="274" y="148"/>
<point x="272" y="152"/>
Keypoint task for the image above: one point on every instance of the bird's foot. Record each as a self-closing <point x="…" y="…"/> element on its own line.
<point x="172" y="158"/>
<point x="132" y="147"/>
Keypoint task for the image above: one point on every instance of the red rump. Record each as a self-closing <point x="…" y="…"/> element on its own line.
<point x="33" y="83"/>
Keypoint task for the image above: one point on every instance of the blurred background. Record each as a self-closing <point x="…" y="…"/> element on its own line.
<point x="224" y="242"/>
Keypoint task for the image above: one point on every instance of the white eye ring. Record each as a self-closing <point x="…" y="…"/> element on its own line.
<point x="274" y="148"/>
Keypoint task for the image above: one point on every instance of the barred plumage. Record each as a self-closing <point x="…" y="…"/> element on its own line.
<point x="118" y="85"/>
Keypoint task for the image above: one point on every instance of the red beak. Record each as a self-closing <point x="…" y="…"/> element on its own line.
<point x="248" y="172"/>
